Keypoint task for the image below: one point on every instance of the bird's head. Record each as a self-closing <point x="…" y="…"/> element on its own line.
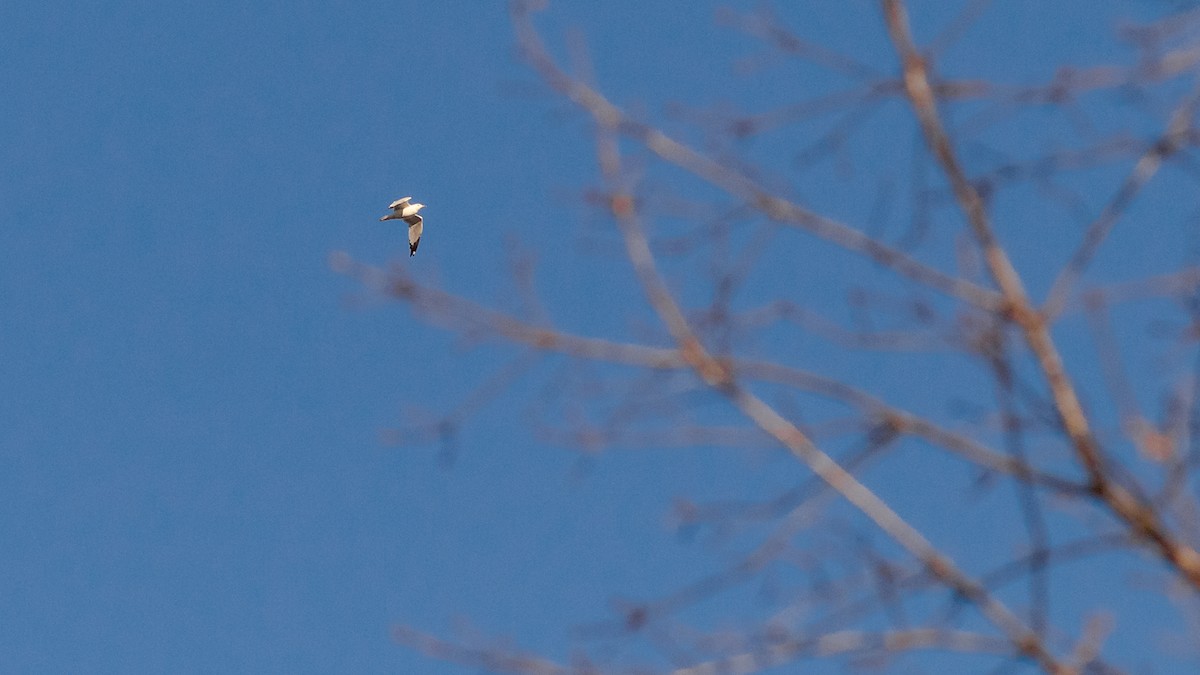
<point x="417" y="207"/>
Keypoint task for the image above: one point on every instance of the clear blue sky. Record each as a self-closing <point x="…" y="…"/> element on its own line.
<point x="191" y="402"/>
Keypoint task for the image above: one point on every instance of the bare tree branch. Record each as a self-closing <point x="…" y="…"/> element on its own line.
<point x="718" y="376"/>
<point x="1137" y="514"/>
<point x="1062" y="457"/>
<point x="736" y="184"/>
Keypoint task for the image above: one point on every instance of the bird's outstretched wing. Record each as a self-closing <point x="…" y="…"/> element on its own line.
<point x="399" y="203"/>
<point x="415" y="227"/>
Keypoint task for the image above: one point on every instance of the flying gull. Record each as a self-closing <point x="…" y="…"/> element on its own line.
<point x="402" y="210"/>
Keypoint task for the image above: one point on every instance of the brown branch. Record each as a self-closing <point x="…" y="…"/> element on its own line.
<point x="735" y="183"/>
<point x="1138" y="515"/>
<point x="1031" y="510"/>
<point x="781" y="651"/>
<point x="768" y="27"/>
<point x="717" y="374"/>
<point x="458" y="313"/>
<point x="1171" y="284"/>
<point x="490" y="658"/>
<point x="799" y="516"/>
<point x="904" y="422"/>
<point x="1176" y="135"/>
<point x="1040" y="559"/>
<point x="699" y="357"/>
<point x="1094" y="633"/>
<point x="847" y="642"/>
<point x="1024" y="640"/>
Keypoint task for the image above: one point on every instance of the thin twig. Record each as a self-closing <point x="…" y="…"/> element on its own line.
<point x="737" y="184"/>
<point x="458" y="313"/>
<point x="1124" y="503"/>
<point x="721" y="378"/>
<point x="1146" y="167"/>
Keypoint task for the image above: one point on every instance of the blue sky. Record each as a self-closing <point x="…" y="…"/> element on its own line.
<point x="192" y="476"/>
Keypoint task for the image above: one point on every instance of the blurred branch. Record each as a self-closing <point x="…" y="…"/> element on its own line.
<point x="736" y="184"/>
<point x="1138" y="515"/>
<point x="780" y="651"/>
<point x="718" y="375"/>
<point x="1179" y="131"/>
<point x="785" y="650"/>
<point x="490" y="657"/>
<point x="457" y="313"/>
<point x="722" y="363"/>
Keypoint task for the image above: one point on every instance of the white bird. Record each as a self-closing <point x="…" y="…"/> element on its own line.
<point x="402" y="210"/>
